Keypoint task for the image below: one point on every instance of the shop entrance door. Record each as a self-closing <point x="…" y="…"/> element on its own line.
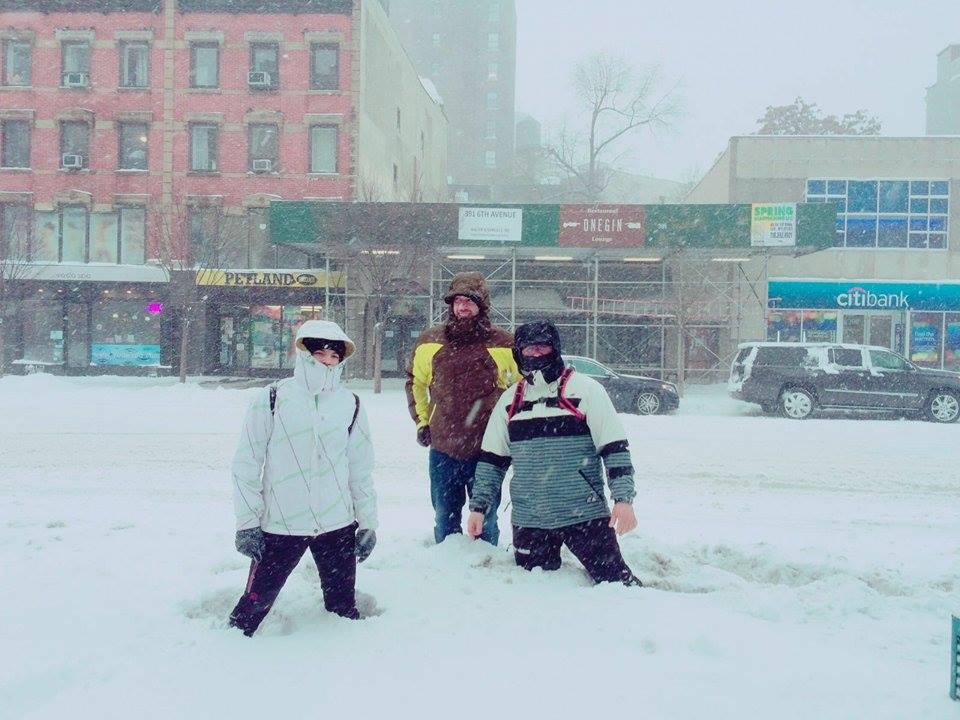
<point x="234" y="343"/>
<point x="868" y="329"/>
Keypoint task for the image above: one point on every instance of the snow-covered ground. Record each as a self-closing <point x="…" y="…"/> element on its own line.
<point x="793" y="570"/>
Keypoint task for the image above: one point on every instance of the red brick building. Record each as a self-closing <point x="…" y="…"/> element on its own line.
<point x="143" y="137"/>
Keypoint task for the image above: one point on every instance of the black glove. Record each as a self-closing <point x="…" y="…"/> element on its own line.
<point x="366" y="540"/>
<point x="423" y="436"/>
<point x="250" y="542"/>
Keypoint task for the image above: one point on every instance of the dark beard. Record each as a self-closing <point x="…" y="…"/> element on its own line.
<point x="463" y="331"/>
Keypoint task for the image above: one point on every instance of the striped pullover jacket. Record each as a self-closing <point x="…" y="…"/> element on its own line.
<point x="556" y="456"/>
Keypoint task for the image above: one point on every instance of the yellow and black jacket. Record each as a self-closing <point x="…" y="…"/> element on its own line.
<point x="452" y="386"/>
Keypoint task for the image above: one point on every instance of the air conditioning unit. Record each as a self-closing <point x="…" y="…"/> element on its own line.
<point x="76" y="80"/>
<point x="262" y="166"/>
<point x="72" y="162"/>
<point x="259" y="79"/>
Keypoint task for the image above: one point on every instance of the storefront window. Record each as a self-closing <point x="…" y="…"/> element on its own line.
<point x="819" y="326"/>
<point x="265" y="336"/>
<point x="784" y="326"/>
<point x="125" y="332"/>
<point x="42" y="331"/>
<point x="925" y="338"/>
<point x="74" y="234"/>
<point x="46" y="237"/>
<point x="951" y="345"/>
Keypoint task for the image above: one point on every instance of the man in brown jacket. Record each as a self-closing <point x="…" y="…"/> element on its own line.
<point x="457" y="373"/>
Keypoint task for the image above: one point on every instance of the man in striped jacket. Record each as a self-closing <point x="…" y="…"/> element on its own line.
<point x="556" y="427"/>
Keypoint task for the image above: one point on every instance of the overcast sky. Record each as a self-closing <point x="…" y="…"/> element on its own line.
<point x="734" y="58"/>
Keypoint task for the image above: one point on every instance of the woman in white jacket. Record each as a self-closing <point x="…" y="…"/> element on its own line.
<point x="302" y="479"/>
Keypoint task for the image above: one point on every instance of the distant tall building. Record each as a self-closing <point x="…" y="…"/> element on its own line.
<point x="468" y="49"/>
<point x="943" y="97"/>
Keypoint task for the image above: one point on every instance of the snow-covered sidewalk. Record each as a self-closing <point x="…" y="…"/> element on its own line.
<point x="794" y="570"/>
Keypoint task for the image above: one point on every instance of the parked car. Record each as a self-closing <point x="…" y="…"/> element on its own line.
<point x="799" y="378"/>
<point x="629" y="393"/>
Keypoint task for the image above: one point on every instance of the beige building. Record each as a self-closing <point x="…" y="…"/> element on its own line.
<point x="893" y="278"/>
<point x="402" y="126"/>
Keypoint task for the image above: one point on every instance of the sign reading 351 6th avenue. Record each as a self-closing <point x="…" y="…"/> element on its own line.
<point x="773" y="225"/>
<point x="619" y="226"/>
<point x="491" y="224"/>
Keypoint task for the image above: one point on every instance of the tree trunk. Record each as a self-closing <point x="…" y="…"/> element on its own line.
<point x="3" y="347"/>
<point x="184" y="344"/>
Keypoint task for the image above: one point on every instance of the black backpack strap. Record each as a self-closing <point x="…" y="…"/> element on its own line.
<point x="356" y="412"/>
<point x="273" y="397"/>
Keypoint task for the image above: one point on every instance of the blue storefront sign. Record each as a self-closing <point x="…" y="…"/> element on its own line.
<point x="858" y="295"/>
<point x="124" y="354"/>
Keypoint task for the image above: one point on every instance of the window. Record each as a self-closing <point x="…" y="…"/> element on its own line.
<point x="493" y="101"/>
<point x="132" y="138"/>
<point x="494" y="12"/>
<point x="845" y="357"/>
<point x="15" y="143"/>
<point x="886" y="213"/>
<point x="887" y="361"/>
<point x="588" y="367"/>
<point x="16" y="62"/>
<point x="491" y="133"/>
<point x="493" y="71"/>
<point x="15" y="223"/>
<point x="436" y="39"/>
<point x="204" y="230"/>
<point x="774" y="356"/>
<point x="325" y="67"/>
<point x="204" y="148"/>
<point x="117" y="237"/>
<point x="323" y="149"/>
<point x="264" y="66"/>
<point x="134" y="65"/>
<point x="75" y="64"/>
<point x="493" y="42"/>
<point x="926" y="338"/>
<point x="74" y="145"/>
<point x="263" y="148"/>
<point x="133" y="235"/>
<point x="204" y="65"/>
<point x="73" y="234"/>
<point x="490" y="158"/>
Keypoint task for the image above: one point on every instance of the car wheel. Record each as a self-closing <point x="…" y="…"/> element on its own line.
<point x="796" y="403"/>
<point x="648" y="403"/>
<point x="943" y="406"/>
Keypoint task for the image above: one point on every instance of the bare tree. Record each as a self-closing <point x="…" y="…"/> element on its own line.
<point x="614" y="100"/>
<point x="192" y="240"/>
<point x="15" y="267"/>
<point x="383" y="271"/>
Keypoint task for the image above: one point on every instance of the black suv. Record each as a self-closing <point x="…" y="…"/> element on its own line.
<point x="629" y="393"/>
<point x="799" y="378"/>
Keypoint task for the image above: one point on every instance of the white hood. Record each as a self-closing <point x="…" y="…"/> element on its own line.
<point x="312" y="375"/>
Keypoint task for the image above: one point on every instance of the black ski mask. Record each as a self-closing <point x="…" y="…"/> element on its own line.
<point x="542" y="332"/>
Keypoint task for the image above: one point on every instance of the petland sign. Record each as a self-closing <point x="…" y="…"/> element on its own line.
<point x="859" y="295"/>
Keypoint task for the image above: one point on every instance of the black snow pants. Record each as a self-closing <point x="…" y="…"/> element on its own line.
<point x="333" y="552"/>
<point x="593" y="542"/>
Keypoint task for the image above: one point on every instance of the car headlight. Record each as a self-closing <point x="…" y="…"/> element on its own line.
<point x="669" y="387"/>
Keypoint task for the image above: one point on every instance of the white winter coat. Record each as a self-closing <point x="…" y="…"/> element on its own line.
<point x="297" y="471"/>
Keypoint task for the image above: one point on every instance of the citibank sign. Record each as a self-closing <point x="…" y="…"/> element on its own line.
<point x="863" y="299"/>
<point x="889" y="295"/>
